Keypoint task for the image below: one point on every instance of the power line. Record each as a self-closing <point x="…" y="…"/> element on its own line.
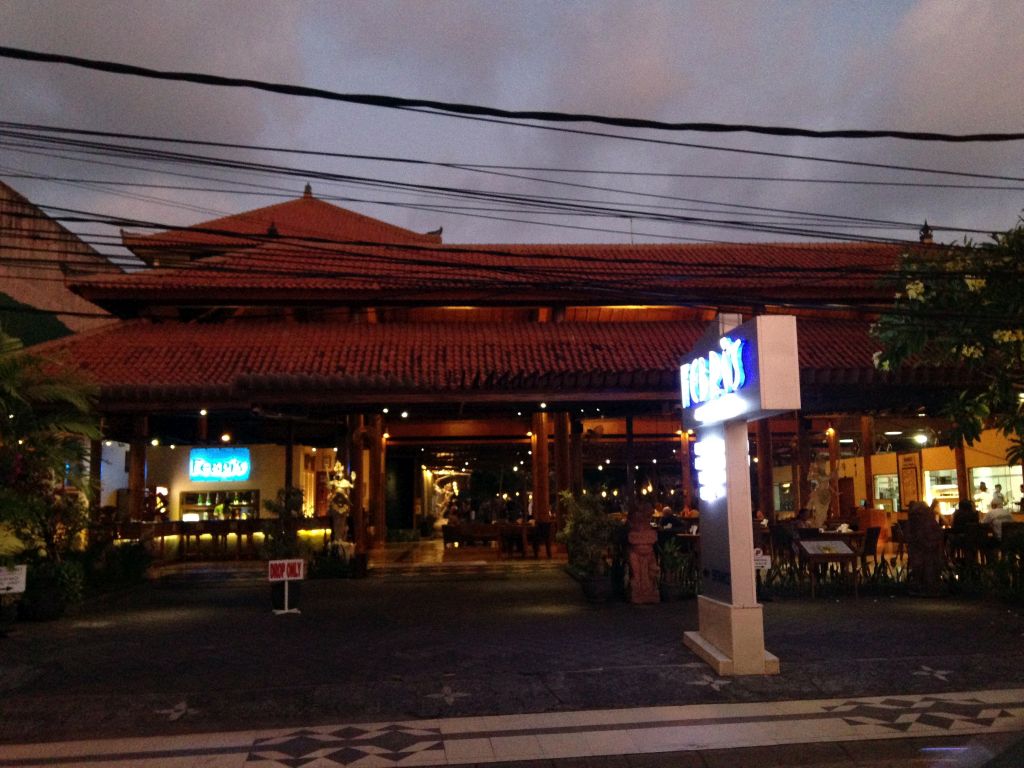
<point x="529" y="168"/>
<point x="473" y="110"/>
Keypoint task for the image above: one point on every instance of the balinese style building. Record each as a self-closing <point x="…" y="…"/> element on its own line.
<point x="317" y="342"/>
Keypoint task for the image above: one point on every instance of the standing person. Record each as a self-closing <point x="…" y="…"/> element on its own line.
<point x="997" y="512"/>
<point x="982" y="498"/>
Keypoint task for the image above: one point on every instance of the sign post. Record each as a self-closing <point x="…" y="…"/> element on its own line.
<point x="12" y="579"/>
<point x="735" y="374"/>
<point x="286" y="571"/>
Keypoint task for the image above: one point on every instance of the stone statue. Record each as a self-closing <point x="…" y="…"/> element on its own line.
<point x="643" y="567"/>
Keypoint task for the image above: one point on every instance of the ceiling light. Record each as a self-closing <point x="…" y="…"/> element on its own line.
<point x="226" y="437"/>
<point x="154" y="442"/>
<point x="894" y="433"/>
<point x="921" y="439"/>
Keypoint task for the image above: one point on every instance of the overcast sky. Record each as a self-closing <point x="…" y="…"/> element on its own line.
<point x="925" y="65"/>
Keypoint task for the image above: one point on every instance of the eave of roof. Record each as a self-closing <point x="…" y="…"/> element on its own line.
<point x="174" y="364"/>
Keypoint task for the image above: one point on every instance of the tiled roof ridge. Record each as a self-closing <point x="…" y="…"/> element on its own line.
<point x="249" y="223"/>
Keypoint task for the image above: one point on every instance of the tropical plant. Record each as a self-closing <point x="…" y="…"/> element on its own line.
<point x="588" y="535"/>
<point x="962" y="307"/>
<point x="49" y="415"/>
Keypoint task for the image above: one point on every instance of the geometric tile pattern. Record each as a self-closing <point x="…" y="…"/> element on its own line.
<point x="933" y="711"/>
<point x="389" y="745"/>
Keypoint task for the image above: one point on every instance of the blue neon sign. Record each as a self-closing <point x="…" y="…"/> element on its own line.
<point x="219" y="465"/>
<point x="714" y="375"/>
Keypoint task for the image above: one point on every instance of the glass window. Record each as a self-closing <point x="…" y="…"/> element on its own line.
<point x="941" y="485"/>
<point x="1008" y="477"/>
<point x="887" y="487"/>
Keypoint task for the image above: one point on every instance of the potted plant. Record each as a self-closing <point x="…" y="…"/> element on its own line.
<point x="677" y="577"/>
<point x="281" y="541"/>
<point x="588" y="535"/>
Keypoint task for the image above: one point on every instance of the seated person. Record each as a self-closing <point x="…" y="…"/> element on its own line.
<point x="670" y="521"/>
<point x="964" y="515"/>
<point x="803" y="519"/>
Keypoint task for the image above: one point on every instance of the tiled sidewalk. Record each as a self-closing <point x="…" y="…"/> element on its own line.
<point x="554" y="737"/>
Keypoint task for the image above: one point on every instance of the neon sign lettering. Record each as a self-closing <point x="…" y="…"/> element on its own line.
<point x="709" y="462"/>
<point x="716" y="375"/>
<point x="219" y="465"/>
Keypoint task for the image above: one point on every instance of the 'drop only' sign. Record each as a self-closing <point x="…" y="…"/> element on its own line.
<point x="285" y="570"/>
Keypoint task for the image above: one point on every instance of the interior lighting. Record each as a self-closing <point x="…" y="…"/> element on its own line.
<point x="600" y="467"/>
<point x="921" y="415"/>
<point x="615" y="492"/>
<point x="173" y="447"/>
<point x="604" y="494"/>
<point x="154" y="442"/>
<point x="830" y="431"/>
<point x="521" y="462"/>
<point x="543" y="405"/>
<point x="607" y="461"/>
<point x="405" y="414"/>
<point x="10" y="416"/>
<point x="643" y="491"/>
<point x="226" y="437"/>
<point x="894" y="432"/>
<point x="20" y="441"/>
<point x="517" y="493"/>
<point x="202" y="411"/>
<point x="584" y="491"/>
<point x="386" y="435"/>
<point x="108" y="443"/>
<point x="515" y="467"/>
<point x="519" y="413"/>
<point x="529" y="453"/>
<point x="921" y="439"/>
<point x="314" y="449"/>
<point x="846" y="440"/>
<point x="654" y="461"/>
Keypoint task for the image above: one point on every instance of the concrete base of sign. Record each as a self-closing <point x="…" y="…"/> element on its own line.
<point x="731" y="639"/>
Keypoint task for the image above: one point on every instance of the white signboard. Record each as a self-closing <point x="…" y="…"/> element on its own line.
<point x="12" y="579"/>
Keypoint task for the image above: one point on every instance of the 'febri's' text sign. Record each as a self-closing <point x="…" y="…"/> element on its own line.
<point x="219" y="464"/>
<point x="750" y="372"/>
<point x="714" y="375"/>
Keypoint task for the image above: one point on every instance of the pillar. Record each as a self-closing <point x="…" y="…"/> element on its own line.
<point x="95" y="463"/>
<point x="137" y="468"/>
<point x="540" y="467"/>
<point x="357" y="495"/>
<point x="576" y="457"/>
<point x="803" y="461"/>
<point x="765" y="487"/>
<point x="289" y="460"/>
<point x="867" y="450"/>
<point x="375" y="479"/>
<point x="832" y="435"/>
<point x="630" y="463"/>
<point x="686" y="465"/>
<point x="563" y="471"/>
<point x="963" y="480"/>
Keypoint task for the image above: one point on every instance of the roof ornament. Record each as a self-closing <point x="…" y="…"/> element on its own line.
<point x="925" y="234"/>
<point x="308" y="191"/>
<point x="439" y="231"/>
<point x="272" y="230"/>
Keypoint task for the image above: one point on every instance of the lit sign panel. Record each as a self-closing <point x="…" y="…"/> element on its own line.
<point x="709" y="461"/>
<point x="750" y="372"/>
<point x="219" y="465"/>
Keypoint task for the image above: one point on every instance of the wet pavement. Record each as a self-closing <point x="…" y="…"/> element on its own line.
<point x="203" y="652"/>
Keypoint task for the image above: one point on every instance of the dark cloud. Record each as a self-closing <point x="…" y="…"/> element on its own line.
<point x="931" y="65"/>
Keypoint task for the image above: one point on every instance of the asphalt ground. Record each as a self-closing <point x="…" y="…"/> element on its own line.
<point x="203" y="653"/>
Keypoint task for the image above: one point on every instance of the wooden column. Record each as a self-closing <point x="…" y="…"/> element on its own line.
<point x="963" y="480"/>
<point x="832" y="434"/>
<point x="563" y="471"/>
<point x="576" y="457"/>
<point x="357" y="495"/>
<point x="803" y="461"/>
<point x="540" y="467"/>
<point x="137" y="468"/>
<point x="765" y="486"/>
<point x="867" y="450"/>
<point x="202" y="428"/>
<point x="95" y="463"/>
<point x="376" y="477"/>
<point x="630" y="462"/>
<point x="289" y="461"/>
<point x="686" y="465"/>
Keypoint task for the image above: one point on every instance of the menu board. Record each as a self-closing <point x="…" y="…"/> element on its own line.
<point x="909" y="467"/>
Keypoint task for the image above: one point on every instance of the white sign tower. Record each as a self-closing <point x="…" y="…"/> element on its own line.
<point x="736" y="374"/>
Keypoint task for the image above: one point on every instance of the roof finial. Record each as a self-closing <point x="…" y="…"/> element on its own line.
<point x="925" y="234"/>
<point x="308" y="191"/>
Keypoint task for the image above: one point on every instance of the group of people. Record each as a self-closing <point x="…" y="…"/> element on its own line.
<point x="994" y="513"/>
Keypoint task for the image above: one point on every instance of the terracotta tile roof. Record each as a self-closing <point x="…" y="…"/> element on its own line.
<point x="140" y="361"/>
<point x="305" y="217"/>
<point x="643" y="273"/>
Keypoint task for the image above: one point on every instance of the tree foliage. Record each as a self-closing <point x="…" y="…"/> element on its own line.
<point x="47" y="414"/>
<point x="962" y="307"/>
